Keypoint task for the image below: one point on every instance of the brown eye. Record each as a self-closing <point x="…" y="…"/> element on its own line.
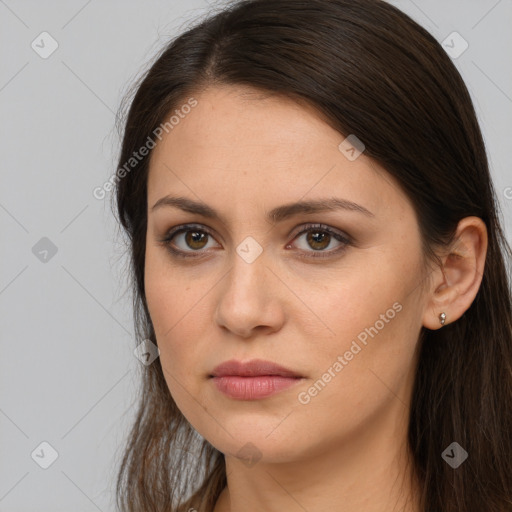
<point x="196" y="239"/>
<point x="188" y="240"/>
<point x="319" y="238"/>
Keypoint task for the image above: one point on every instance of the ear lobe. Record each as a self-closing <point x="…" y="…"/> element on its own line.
<point x="459" y="279"/>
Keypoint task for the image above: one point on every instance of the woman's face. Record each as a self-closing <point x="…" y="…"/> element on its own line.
<point x="341" y="310"/>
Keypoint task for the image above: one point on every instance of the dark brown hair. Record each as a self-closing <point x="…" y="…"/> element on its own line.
<point x="369" y="70"/>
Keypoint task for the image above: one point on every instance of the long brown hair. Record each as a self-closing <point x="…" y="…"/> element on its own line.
<point x="369" y="70"/>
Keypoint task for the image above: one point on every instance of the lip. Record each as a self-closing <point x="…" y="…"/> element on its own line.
<point x="253" y="368"/>
<point x="252" y="380"/>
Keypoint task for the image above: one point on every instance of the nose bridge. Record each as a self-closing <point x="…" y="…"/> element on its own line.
<point x="246" y="298"/>
<point x="247" y="279"/>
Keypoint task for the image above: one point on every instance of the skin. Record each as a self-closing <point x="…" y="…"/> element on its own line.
<point x="345" y="450"/>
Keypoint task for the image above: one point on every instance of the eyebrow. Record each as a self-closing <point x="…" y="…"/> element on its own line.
<point x="277" y="214"/>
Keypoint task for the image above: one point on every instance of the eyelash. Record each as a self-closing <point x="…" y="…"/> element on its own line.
<point x="322" y="228"/>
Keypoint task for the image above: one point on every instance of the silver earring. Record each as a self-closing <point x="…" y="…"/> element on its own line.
<point x="442" y="318"/>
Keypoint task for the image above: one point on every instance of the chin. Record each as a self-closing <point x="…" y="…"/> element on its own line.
<point x="255" y="439"/>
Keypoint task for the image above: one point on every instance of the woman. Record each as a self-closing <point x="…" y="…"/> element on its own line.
<point x="316" y="252"/>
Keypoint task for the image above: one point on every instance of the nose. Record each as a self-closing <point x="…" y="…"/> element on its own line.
<point x="249" y="301"/>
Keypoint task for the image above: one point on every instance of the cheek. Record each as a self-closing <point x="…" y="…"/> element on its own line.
<point x="172" y="318"/>
<point x="177" y="307"/>
<point x="373" y="321"/>
<point x="173" y="313"/>
<point x="171" y="294"/>
<point x="351" y="301"/>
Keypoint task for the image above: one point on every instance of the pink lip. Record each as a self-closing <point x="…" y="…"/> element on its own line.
<point x="254" y="368"/>
<point x="253" y="380"/>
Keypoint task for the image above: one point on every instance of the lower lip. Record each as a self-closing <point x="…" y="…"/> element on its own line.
<point x="253" y="388"/>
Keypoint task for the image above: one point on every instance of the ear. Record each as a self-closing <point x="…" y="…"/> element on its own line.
<point x="456" y="283"/>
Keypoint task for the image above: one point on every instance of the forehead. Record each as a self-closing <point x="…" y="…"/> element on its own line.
<point x="241" y="121"/>
<point x="238" y="142"/>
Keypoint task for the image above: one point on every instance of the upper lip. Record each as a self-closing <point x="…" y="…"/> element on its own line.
<point x="253" y="368"/>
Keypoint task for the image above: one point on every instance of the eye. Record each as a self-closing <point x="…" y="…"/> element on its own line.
<point x="319" y="238"/>
<point x="189" y="239"/>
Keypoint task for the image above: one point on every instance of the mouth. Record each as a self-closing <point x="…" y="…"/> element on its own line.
<point x="253" y="380"/>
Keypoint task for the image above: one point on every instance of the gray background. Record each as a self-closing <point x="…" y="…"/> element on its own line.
<point x="67" y="369"/>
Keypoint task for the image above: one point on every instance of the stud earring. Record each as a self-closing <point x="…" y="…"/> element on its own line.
<point x="442" y="318"/>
